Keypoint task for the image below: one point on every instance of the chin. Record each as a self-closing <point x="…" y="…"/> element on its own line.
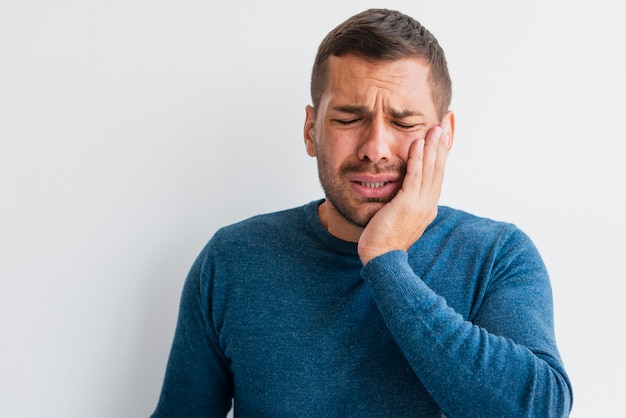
<point x="360" y="216"/>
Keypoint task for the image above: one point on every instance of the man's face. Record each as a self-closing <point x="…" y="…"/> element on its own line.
<point x="361" y="131"/>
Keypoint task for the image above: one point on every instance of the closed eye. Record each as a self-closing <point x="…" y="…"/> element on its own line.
<point x="346" y="121"/>
<point x="405" y="126"/>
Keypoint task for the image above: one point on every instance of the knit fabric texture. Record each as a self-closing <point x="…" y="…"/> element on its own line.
<point x="282" y="317"/>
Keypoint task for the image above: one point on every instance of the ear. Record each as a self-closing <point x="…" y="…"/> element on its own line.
<point x="309" y="132"/>
<point x="449" y="119"/>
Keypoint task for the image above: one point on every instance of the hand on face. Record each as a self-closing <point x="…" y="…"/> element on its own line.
<point x="402" y="221"/>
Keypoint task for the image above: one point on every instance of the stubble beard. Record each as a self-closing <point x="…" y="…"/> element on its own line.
<point x="339" y="193"/>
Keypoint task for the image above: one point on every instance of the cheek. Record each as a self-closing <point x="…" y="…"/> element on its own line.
<point x="403" y="144"/>
<point x="333" y="148"/>
<point x="327" y="158"/>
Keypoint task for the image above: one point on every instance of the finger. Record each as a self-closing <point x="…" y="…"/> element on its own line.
<point x="431" y="152"/>
<point x="442" y="157"/>
<point x="413" y="176"/>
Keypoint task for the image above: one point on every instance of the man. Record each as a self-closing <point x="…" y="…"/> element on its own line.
<point x="374" y="301"/>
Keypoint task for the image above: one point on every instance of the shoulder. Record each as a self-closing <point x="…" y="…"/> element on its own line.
<point x="493" y="250"/>
<point x="477" y="231"/>
<point x="265" y="228"/>
<point x="454" y="220"/>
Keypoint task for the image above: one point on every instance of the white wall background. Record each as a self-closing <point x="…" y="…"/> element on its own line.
<point x="131" y="130"/>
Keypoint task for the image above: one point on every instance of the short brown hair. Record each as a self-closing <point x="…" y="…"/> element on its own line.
<point x="385" y="35"/>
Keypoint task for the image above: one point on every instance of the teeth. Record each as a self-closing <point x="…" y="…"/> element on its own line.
<point x="373" y="185"/>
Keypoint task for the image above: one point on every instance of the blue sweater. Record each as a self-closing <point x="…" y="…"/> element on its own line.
<point x="283" y="317"/>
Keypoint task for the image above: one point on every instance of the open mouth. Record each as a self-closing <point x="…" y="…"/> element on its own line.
<point x="373" y="185"/>
<point x="375" y="189"/>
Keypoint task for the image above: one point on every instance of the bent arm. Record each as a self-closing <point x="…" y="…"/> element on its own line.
<point x="503" y="363"/>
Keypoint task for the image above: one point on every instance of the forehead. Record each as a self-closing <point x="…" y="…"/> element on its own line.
<point x="361" y="81"/>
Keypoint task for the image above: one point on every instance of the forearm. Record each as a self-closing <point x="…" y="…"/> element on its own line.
<point x="467" y="370"/>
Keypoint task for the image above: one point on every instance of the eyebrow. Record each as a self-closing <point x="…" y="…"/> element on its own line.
<point x="355" y="110"/>
<point x="360" y="110"/>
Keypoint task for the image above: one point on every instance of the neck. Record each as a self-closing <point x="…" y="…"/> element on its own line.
<point x="336" y="224"/>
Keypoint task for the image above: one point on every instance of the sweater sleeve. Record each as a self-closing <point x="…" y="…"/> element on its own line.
<point x="502" y="363"/>
<point x="197" y="379"/>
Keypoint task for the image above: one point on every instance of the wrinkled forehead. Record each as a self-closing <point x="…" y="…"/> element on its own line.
<point x="402" y="83"/>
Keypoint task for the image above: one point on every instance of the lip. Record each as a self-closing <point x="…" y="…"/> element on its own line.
<point x="368" y="186"/>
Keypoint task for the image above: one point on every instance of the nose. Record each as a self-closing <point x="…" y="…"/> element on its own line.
<point x="376" y="142"/>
